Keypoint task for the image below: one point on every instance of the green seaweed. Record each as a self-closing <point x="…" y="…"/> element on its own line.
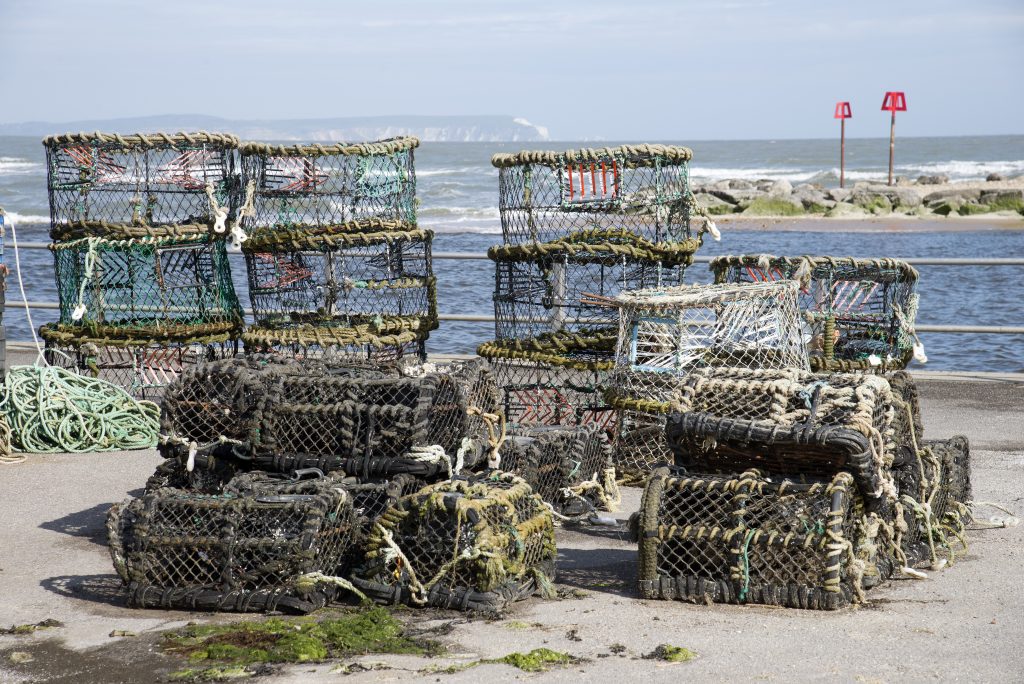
<point x="48" y="623"/>
<point x="772" y="206"/>
<point x="971" y="209"/>
<point x="210" y="674"/>
<point x="671" y="654"/>
<point x="537" y="660"/>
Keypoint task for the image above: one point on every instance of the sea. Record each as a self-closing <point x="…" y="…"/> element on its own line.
<point x="458" y="199"/>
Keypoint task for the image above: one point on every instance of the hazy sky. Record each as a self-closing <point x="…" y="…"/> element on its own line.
<point x="622" y="69"/>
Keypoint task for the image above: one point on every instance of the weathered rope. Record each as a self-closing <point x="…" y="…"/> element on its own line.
<point x="143" y="140"/>
<point x="631" y="155"/>
<point x="52" y="410"/>
<point x="388" y="146"/>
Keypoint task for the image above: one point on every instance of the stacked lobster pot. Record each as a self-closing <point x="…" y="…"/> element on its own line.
<point x="665" y="334"/>
<point x="579" y="225"/>
<point x="337" y="265"/>
<point x="266" y="449"/>
<point x="797" y="489"/>
<point x="138" y="224"/>
<point x="858" y="314"/>
<point x="3" y="294"/>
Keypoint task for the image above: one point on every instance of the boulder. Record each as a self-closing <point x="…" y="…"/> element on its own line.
<point x="904" y="198"/>
<point x="839" y="194"/>
<point x="713" y="204"/>
<point x="844" y="209"/>
<point x="780" y="188"/>
<point x="740" y="184"/>
<point x="963" y="194"/>
<point x="1003" y="200"/>
<point x="737" y="196"/>
<point x="774" y="206"/>
<point x="994" y="178"/>
<point x="939" y="179"/>
<point x="874" y="202"/>
<point x="812" y="198"/>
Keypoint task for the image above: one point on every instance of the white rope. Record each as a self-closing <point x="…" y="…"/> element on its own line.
<point x="24" y="299"/>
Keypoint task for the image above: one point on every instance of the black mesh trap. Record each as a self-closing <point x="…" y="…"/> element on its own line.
<point x="470" y="544"/>
<point x="859" y="313"/>
<point x="747" y="539"/>
<point x="272" y="546"/>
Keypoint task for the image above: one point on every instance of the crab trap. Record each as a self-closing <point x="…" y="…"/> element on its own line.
<point x="666" y="333"/>
<point x="547" y="288"/>
<point x="640" y="189"/>
<point x="370" y="422"/>
<point x="277" y="546"/>
<point x="554" y="379"/>
<point x="341" y="280"/>
<point x="470" y="544"/>
<point x="314" y="186"/>
<point x="151" y="287"/>
<point x="138" y="184"/>
<point x="859" y="313"/>
<point x="569" y="467"/>
<point x="748" y="539"/>
<point x="795" y="424"/>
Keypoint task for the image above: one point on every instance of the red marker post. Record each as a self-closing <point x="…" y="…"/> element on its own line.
<point x="842" y="113"/>
<point x="895" y="101"/>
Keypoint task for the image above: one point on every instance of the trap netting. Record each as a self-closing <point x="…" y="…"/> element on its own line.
<point x="859" y="313"/>
<point x="747" y="539"/>
<point x="470" y="544"/>
<point x="545" y="288"/>
<point x="342" y="279"/>
<point x="569" y="467"/>
<point x="640" y="189"/>
<point x="313" y="186"/>
<point x="795" y="424"/>
<point x="270" y="546"/>
<point x="554" y="379"/>
<point x="664" y="334"/>
<point x="371" y="422"/>
<point x="144" y="367"/>
<point x="164" y="287"/>
<point x="145" y="184"/>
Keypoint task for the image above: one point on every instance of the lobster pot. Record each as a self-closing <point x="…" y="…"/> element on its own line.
<point x="569" y="467"/>
<point x="552" y="380"/>
<point x="380" y="342"/>
<point x="250" y="552"/>
<point x="794" y="423"/>
<point x="746" y="539"/>
<point x="340" y="280"/>
<point x="549" y="288"/>
<point x="139" y="181"/>
<point x="370" y="422"/>
<point x="163" y="287"/>
<point x="859" y="313"/>
<point x="641" y="189"/>
<point x="142" y="367"/>
<point x="476" y="544"/>
<point x="313" y="186"/>
<point x="666" y="333"/>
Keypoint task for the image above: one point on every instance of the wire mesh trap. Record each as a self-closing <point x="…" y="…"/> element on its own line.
<point x="313" y="186"/>
<point x="176" y="183"/>
<point x="859" y="313"/>
<point x="168" y="287"/>
<point x="143" y="367"/>
<point x="640" y="189"/>
<point x="278" y="546"/>
<point x="569" y="467"/>
<point x="553" y="379"/>
<point x="796" y="424"/>
<point x="370" y="422"/>
<point x="666" y="333"/>
<point x="341" y="280"/>
<point x="747" y="539"/>
<point x="471" y="544"/>
<point x="544" y="288"/>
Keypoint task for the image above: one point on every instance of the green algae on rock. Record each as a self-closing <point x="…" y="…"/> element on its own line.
<point x="671" y="654"/>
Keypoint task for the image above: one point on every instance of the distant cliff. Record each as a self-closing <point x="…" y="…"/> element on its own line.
<point x="353" y="129"/>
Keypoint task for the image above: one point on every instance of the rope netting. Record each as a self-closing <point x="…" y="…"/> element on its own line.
<point x="471" y="544"/>
<point x="858" y="313"/>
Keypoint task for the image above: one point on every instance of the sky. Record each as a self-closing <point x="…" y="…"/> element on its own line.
<point x="596" y="69"/>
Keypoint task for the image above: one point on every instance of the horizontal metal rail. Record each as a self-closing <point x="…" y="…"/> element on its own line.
<point x="699" y="259"/>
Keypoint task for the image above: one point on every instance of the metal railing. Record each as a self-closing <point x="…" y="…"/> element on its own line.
<point x="479" y="318"/>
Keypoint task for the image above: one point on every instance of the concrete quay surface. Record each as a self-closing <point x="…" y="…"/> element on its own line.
<point x="964" y="623"/>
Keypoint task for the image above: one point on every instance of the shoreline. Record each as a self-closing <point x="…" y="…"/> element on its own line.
<point x="892" y="223"/>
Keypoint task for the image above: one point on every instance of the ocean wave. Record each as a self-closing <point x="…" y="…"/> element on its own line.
<point x="471" y="213"/>
<point x="448" y="172"/>
<point x="968" y="170"/>
<point x="27" y="219"/>
<point x="15" y="165"/>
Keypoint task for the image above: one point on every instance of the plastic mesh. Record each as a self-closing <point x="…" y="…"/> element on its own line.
<point x="318" y="185"/>
<point x="167" y="286"/>
<point x="568" y="467"/>
<point x="369" y="422"/>
<point x="665" y="334"/>
<point x="138" y="180"/>
<point x="245" y="550"/>
<point x="854" y="309"/>
<point x="642" y="189"/>
<point x="470" y="544"/>
<point x="746" y="539"/>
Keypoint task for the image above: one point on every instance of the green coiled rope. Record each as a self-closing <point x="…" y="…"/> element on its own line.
<point x="53" y="410"/>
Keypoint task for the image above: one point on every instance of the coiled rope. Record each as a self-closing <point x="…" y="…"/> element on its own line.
<point x="53" y="410"/>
